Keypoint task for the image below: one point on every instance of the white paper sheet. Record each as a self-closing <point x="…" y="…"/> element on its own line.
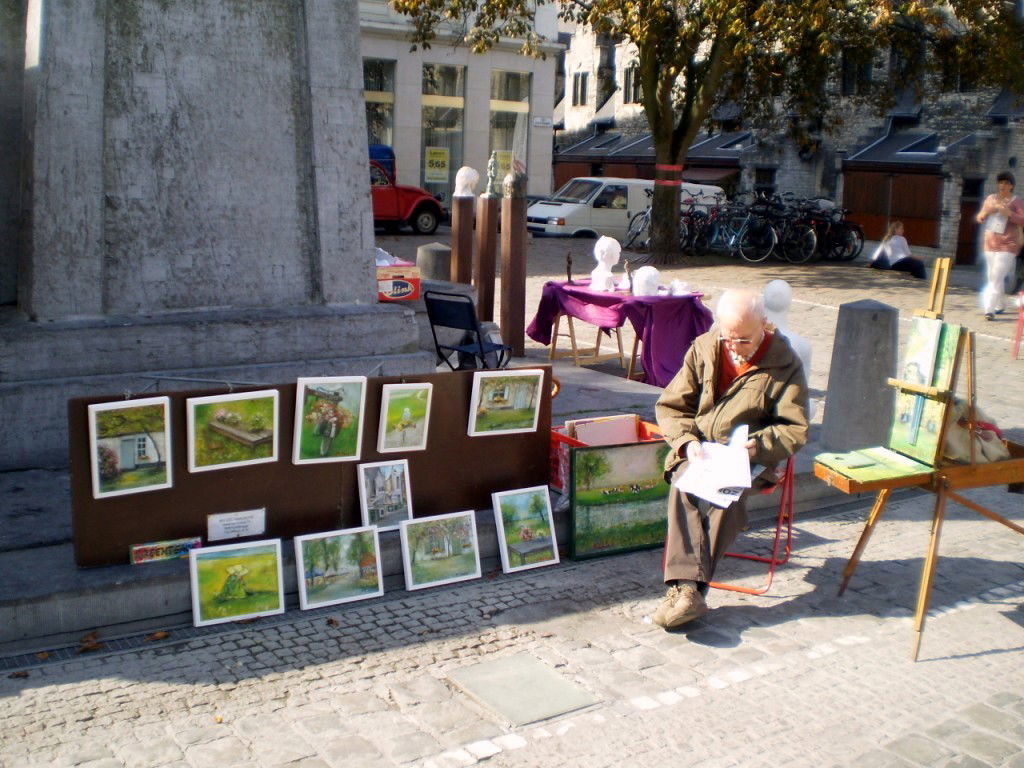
<point x="722" y="474"/>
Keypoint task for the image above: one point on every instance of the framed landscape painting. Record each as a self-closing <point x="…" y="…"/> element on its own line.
<point x="617" y="498"/>
<point x="130" y="446"/>
<point x="236" y="581"/>
<point x="505" y="402"/>
<point x="404" y="417"/>
<point x="526" y="529"/>
<point x="232" y="430"/>
<point x="338" y="567"/>
<point x="385" y="499"/>
<point x="328" y="419"/>
<point x="440" y="550"/>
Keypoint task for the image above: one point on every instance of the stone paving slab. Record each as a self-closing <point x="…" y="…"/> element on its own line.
<point x="797" y="677"/>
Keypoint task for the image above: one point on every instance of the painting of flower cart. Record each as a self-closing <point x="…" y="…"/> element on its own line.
<point x="329" y="419"/>
<point x="526" y="530"/>
<point x="618" y="496"/>
<point x="338" y="567"/>
<point x="404" y="417"/>
<point x="236" y="581"/>
<point x="130" y="446"/>
<point x="505" y="402"/>
<point x="440" y="550"/>
<point x="232" y="430"/>
<point x="384" y="494"/>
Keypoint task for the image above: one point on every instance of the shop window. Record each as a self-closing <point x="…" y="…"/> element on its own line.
<point x="379" y="95"/>
<point x="442" y="120"/>
<point x="510" y="120"/>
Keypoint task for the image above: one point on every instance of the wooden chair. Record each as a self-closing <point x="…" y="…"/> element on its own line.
<point x="783" y="517"/>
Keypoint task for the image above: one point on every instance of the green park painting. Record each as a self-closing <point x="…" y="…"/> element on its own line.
<point x="526" y="531"/>
<point x="329" y="419"/>
<point x="130" y="446"/>
<point x="404" y="417"/>
<point x="236" y="581"/>
<point x="618" y="498"/>
<point x="338" y="567"/>
<point x="440" y="550"/>
<point x="232" y="430"/>
<point x="505" y="402"/>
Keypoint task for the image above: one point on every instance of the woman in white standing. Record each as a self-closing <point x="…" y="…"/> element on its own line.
<point x="894" y="253"/>
<point x="1003" y="215"/>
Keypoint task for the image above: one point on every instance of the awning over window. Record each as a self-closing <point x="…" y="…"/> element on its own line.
<point x="711" y="175"/>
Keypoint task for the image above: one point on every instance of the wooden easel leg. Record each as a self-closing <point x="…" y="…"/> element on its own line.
<point x="572" y="341"/>
<point x="869" y="526"/>
<point x="924" y="592"/>
<point x="632" y="358"/>
<point x="553" y="353"/>
<point x="622" y="355"/>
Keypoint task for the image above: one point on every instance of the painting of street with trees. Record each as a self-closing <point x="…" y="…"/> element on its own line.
<point x="130" y="446"/>
<point x="440" y="550"/>
<point x="338" y="567"/>
<point x="618" y="498"/>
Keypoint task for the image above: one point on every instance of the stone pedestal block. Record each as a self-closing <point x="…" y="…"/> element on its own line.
<point x="485" y="258"/>
<point x="859" y="404"/>
<point x="462" y="240"/>
<point x="434" y="261"/>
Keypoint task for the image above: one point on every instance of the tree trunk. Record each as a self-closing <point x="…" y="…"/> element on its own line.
<point x="665" y="207"/>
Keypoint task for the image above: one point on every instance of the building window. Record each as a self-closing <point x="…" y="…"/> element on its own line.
<point x="631" y="85"/>
<point x="443" y="108"/>
<point x="579" y="88"/>
<point x="856" y="72"/>
<point x="510" y="119"/>
<point x="764" y="181"/>
<point x="379" y="94"/>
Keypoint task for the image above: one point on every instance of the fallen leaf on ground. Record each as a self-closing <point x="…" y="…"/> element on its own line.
<point x="332" y="622"/>
<point x="19" y="674"/>
<point x="91" y="645"/>
<point x="43" y="655"/>
<point x="218" y="719"/>
<point x="158" y="635"/>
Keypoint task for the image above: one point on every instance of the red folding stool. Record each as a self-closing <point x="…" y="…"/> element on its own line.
<point x="785" y="516"/>
<point x="1020" y="324"/>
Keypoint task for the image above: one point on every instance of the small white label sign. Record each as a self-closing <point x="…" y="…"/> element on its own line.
<point x="236" y="525"/>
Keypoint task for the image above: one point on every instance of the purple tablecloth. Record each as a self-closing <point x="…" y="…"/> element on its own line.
<point x="666" y="325"/>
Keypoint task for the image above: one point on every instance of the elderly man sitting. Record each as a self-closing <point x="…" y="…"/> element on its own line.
<point x="739" y="372"/>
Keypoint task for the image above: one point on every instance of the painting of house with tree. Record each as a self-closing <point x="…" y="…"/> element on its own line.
<point x="618" y="497"/>
<point x="440" y="550"/>
<point x="338" y="567"/>
<point x="505" y="402"/>
<point x="130" y="446"/>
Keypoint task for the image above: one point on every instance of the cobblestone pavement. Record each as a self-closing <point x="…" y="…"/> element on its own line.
<point x="798" y="677"/>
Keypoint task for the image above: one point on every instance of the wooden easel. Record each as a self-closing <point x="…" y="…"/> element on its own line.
<point x="942" y="479"/>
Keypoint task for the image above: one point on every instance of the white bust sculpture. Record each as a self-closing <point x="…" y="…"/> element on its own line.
<point x="606" y="253"/>
<point x="646" y="281"/>
<point x="465" y="182"/>
<point x="777" y="297"/>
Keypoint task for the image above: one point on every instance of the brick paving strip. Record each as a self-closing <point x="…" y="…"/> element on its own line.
<point x="797" y="677"/>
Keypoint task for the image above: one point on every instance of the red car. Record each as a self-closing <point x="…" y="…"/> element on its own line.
<point x="397" y="204"/>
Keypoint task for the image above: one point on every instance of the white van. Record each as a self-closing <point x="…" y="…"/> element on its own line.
<point x="591" y="206"/>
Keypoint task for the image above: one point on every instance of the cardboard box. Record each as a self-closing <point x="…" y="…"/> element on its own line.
<point x="398" y="282"/>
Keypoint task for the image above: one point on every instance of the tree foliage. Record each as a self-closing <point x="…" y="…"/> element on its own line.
<point x="774" y="57"/>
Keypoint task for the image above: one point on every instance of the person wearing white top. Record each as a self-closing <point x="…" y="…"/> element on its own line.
<point x="1002" y="214"/>
<point x="894" y="253"/>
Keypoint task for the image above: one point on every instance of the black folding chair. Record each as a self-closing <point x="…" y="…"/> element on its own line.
<point x="456" y="311"/>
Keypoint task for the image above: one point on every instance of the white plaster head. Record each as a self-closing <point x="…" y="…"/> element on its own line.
<point x="465" y="182"/>
<point x="607" y="251"/>
<point x="645" y="281"/>
<point x="777" y="298"/>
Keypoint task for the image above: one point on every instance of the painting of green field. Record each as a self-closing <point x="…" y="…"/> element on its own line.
<point x="404" y="418"/>
<point x="338" y="567"/>
<point x="330" y="424"/>
<point x="525" y="528"/>
<point x="505" y="403"/>
<point x="618" y="498"/>
<point x="236" y="582"/>
<point x="440" y="550"/>
<point x="232" y="430"/>
<point x="130" y="446"/>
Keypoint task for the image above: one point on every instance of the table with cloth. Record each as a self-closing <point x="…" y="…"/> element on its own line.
<point x="664" y="324"/>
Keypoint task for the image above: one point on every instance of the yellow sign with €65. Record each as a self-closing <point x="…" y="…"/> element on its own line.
<point x="437" y="161"/>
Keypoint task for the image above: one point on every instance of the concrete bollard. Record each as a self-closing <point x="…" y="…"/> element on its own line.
<point x="434" y="261"/>
<point x="859" y="404"/>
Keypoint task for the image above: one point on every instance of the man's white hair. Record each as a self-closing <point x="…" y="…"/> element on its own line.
<point x="738" y="303"/>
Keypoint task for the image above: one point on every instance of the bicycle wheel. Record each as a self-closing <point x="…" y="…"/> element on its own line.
<point x="758" y="241"/>
<point x="800" y="243"/>
<point x="684" y="235"/>
<point x="855" y="243"/>
<point x="638" y="236"/>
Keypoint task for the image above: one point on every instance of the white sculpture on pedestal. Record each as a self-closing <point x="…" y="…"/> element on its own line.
<point x="646" y="281"/>
<point x="606" y="253"/>
<point x="465" y="182"/>
<point x="777" y="298"/>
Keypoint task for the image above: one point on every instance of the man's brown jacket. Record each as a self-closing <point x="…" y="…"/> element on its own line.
<point x="770" y="398"/>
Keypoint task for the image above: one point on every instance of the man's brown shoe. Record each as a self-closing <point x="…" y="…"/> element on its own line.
<point x="681" y="604"/>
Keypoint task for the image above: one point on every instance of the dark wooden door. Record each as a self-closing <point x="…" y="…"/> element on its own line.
<point x="967" y="233"/>
<point x="876" y="198"/>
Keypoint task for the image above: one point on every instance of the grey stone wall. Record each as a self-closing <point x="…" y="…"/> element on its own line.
<point x="12" y="65"/>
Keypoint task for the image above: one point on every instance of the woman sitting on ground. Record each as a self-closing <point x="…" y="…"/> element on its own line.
<point x="894" y="253"/>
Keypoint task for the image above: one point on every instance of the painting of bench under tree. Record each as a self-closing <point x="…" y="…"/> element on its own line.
<point x="440" y="550"/>
<point x="338" y="567"/>
<point x="618" y="497"/>
<point x="526" y="530"/>
<point x="232" y="430"/>
<point x="130" y="446"/>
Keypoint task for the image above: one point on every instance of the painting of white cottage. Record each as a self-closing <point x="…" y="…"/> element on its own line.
<point x="130" y="446"/>
<point x="384" y="494"/>
<point x="505" y="402"/>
